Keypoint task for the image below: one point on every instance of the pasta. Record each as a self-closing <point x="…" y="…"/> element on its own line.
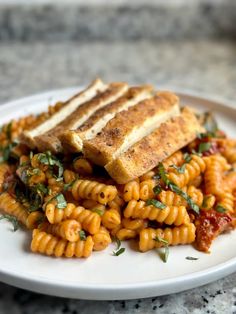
<point x="101" y="239"/>
<point x="10" y="206"/>
<point x="48" y="244"/>
<point x="192" y="170"/>
<point x="178" y="235"/>
<point x="67" y="229"/>
<point x="73" y="206"/>
<point x="176" y="215"/>
<point x="93" y="190"/>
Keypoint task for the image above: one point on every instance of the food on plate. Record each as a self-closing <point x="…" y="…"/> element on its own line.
<point x="113" y="163"/>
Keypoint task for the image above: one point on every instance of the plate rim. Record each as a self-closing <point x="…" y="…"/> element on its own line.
<point x="204" y="276"/>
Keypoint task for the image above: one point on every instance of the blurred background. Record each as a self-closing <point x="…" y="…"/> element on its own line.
<point x="180" y="44"/>
<point x="48" y="44"/>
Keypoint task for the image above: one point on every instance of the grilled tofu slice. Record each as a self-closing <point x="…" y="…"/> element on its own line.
<point x="72" y="140"/>
<point x="128" y="127"/>
<point x="96" y="87"/>
<point x="160" y="144"/>
<point x="51" y="140"/>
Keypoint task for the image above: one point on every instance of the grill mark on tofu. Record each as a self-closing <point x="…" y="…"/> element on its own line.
<point x="51" y="140"/>
<point x="96" y="87"/>
<point x="72" y="140"/>
<point x="143" y="156"/>
<point x="128" y="127"/>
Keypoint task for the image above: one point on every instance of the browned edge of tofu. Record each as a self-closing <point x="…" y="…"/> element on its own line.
<point x="103" y="148"/>
<point x="28" y="137"/>
<point x="171" y="136"/>
<point x="51" y="140"/>
<point x="72" y="140"/>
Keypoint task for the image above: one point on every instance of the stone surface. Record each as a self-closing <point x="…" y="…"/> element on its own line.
<point x="116" y="20"/>
<point x="203" y="66"/>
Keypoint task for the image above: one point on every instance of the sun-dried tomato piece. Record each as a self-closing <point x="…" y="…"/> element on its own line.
<point x="209" y="225"/>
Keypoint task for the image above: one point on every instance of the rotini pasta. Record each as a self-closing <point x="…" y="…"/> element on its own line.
<point x="193" y="169"/>
<point x="176" y="215"/>
<point x="48" y="244"/>
<point x="10" y="206"/>
<point x="93" y="190"/>
<point x="178" y="235"/>
<point x="67" y="229"/>
<point x="101" y="239"/>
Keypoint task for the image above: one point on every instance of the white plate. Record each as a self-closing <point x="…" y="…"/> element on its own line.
<point x="103" y="276"/>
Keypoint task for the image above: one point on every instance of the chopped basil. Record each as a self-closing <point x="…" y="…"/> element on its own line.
<point x="176" y="189"/>
<point x="118" y="250"/>
<point x="166" y="247"/>
<point x="191" y="258"/>
<point x="67" y="186"/>
<point x="220" y="209"/>
<point x="61" y="201"/>
<point x="82" y="235"/>
<point x="185" y="196"/>
<point x="204" y="147"/>
<point x="48" y="159"/>
<point x="180" y="169"/>
<point x="187" y="157"/>
<point x="98" y="211"/>
<point x="11" y="219"/>
<point x="155" y="203"/>
<point x="157" y="189"/>
<point x="6" y="151"/>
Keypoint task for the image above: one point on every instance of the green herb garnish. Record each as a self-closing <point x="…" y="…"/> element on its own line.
<point x="157" y="189"/>
<point x="204" y="147"/>
<point x="155" y="203"/>
<point x="191" y="258"/>
<point x="220" y="209"/>
<point x="187" y="157"/>
<point x="6" y="151"/>
<point x="11" y="219"/>
<point x="176" y="189"/>
<point x="118" y="250"/>
<point x="166" y="247"/>
<point x="61" y="201"/>
<point x="82" y="235"/>
<point x="100" y="212"/>
<point x="48" y="159"/>
<point x="180" y="169"/>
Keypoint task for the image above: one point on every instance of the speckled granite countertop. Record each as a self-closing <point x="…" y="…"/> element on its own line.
<point x="204" y="66"/>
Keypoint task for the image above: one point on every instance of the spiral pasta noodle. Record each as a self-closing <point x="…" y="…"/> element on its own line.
<point x="131" y="191"/>
<point x="10" y="206"/>
<point x="34" y="219"/>
<point x="192" y="170"/>
<point x="184" y="234"/>
<point x="176" y="215"/>
<point x="96" y="191"/>
<point x="176" y="159"/>
<point x="67" y="229"/>
<point x="111" y="218"/>
<point x="82" y="166"/>
<point x="213" y="176"/>
<point x="48" y="244"/>
<point x="101" y="239"/>
<point x="90" y="221"/>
